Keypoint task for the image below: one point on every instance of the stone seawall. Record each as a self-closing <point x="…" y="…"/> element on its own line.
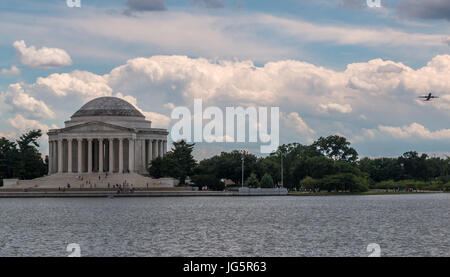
<point x="113" y="194"/>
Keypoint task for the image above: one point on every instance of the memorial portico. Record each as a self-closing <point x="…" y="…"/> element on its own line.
<point x="107" y="134"/>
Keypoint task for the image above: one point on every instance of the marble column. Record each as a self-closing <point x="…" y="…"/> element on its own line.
<point x="89" y="156"/>
<point x="80" y="156"/>
<point x="131" y="155"/>
<point x="60" y="155"/>
<point x="111" y="156"/>
<point x="121" y="155"/>
<point x="50" y="162"/>
<point x="55" y="156"/>
<point x="164" y="147"/>
<point x="69" y="156"/>
<point x="143" y="155"/>
<point x="150" y="151"/>
<point x="160" y="148"/>
<point x="54" y="165"/>
<point x="156" y="149"/>
<point x="100" y="155"/>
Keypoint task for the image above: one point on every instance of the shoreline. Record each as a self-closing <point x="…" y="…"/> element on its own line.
<point x="113" y="194"/>
<point x="367" y="193"/>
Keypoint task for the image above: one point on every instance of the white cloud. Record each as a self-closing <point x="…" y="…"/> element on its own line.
<point x="8" y="135"/>
<point x="14" y="70"/>
<point x="158" y="120"/>
<point x="82" y="83"/>
<point x="19" y="100"/>
<point x="43" y="57"/>
<point x="335" y="107"/>
<point x="169" y="106"/>
<point x="415" y="130"/>
<point x="406" y="132"/>
<point x="376" y="93"/>
<point x="23" y="124"/>
<point x="295" y="121"/>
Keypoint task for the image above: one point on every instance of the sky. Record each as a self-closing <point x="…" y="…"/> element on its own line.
<point x="332" y="67"/>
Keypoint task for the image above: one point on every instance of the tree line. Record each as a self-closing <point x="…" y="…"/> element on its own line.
<point x="328" y="164"/>
<point x="21" y="158"/>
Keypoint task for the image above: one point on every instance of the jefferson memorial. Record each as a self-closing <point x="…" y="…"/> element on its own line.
<point x="106" y="142"/>
<point x="107" y="134"/>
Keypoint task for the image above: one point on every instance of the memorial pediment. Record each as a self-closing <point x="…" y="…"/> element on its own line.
<point x="96" y="126"/>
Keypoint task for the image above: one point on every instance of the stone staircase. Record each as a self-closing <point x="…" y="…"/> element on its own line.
<point x="92" y="180"/>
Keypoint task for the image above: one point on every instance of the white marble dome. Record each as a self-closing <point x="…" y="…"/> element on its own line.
<point x="107" y="106"/>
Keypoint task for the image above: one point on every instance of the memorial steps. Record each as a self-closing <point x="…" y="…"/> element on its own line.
<point x="91" y="180"/>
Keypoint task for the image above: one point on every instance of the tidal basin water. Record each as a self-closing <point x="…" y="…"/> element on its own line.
<point x="403" y="225"/>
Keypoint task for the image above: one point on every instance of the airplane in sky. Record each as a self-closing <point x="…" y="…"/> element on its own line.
<point x="428" y="97"/>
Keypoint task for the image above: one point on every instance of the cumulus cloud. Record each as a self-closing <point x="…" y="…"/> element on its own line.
<point x="8" y="135"/>
<point x="412" y="131"/>
<point x="84" y="83"/>
<point x="169" y="106"/>
<point x="23" y="124"/>
<point x="375" y="93"/>
<point x="289" y="84"/>
<point x="19" y="100"/>
<point x="43" y="57"/>
<point x="425" y="9"/>
<point x="12" y="71"/>
<point x="295" y="121"/>
<point x="335" y="107"/>
<point x="158" y="120"/>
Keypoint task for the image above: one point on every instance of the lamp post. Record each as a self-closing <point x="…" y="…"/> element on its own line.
<point x="281" y="152"/>
<point x="282" y="184"/>
<point x="243" y="152"/>
<point x="242" y="182"/>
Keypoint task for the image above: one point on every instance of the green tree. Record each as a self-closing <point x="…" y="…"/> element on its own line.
<point x="157" y="167"/>
<point x="266" y="181"/>
<point x="228" y="166"/>
<point x="309" y="183"/>
<point x="415" y="166"/>
<point x="344" y="182"/>
<point x="268" y="165"/>
<point x="294" y="157"/>
<point x="252" y="181"/>
<point x="211" y="181"/>
<point x="31" y="163"/>
<point x="22" y="160"/>
<point x="336" y="148"/>
<point x="9" y="159"/>
<point x="177" y="163"/>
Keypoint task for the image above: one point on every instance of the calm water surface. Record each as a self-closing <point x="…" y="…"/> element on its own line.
<point x="403" y="225"/>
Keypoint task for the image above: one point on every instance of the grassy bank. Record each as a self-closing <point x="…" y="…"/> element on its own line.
<point x="326" y="193"/>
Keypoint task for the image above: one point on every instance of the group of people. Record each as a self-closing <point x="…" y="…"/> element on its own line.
<point x="121" y="188"/>
<point x="124" y="187"/>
